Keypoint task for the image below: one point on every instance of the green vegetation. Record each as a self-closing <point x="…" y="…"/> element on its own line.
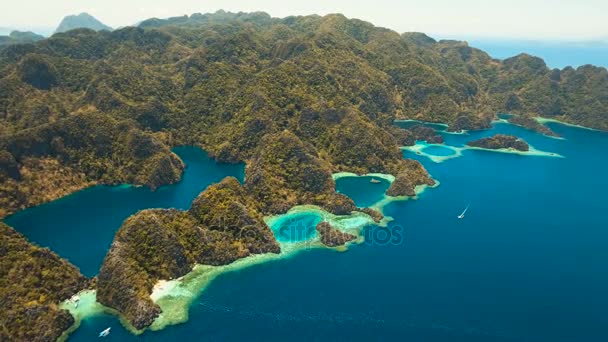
<point x="332" y="237"/>
<point x="285" y="172"/>
<point x="224" y="81"/>
<point x="33" y="281"/>
<point x="531" y="123"/>
<point x="53" y="159"/>
<point x="411" y="175"/>
<point x="296" y="98"/>
<point x="499" y="141"/>
<point x="223" y="225"/>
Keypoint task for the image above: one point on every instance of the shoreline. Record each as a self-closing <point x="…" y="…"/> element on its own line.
<point x="458" y="151"/>
<point x="543" y="121"/>
<point x="505" y="121"/>
<point x="419" y="147"/>
<point x="532" y="152"/>
<point x="388" y="177"/>
<point x="386" y="199"/>
<point x="176" y="296"/>
<point x="444" y="125"/>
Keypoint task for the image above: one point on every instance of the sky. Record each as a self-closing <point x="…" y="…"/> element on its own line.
<point x="571" y="20"/>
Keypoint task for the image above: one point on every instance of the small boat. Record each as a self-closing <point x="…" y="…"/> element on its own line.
<point x="461" y="216"/>
<point x="105" y="333"/>
<point x="76" y="301"/>
<point x="374" y="180"/>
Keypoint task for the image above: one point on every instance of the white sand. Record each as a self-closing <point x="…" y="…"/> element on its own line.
<point x="388" y="177"/>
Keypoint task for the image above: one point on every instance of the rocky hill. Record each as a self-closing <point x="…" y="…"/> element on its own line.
<point x="82" y="20"/>
<point x="33" y="281"/>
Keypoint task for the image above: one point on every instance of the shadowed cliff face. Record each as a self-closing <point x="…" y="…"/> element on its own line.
<point x="33" y="281"/>
<point x="222" y="225"/>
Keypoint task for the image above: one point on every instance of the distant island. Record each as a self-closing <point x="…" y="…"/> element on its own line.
<point x="82" y="20"/>
<point x="296" y="99"/>
<point x="501" y="141"/>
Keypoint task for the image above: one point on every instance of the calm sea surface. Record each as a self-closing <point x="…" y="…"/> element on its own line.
<point x="527" y="263"/>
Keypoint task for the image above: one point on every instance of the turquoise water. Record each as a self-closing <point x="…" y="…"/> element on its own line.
<point x="80" y="227"/>
<point x="362" y="191"/>
<point x="299" y="227"/>
<point x="527" y="263"/>
<point x="438" y="151"/>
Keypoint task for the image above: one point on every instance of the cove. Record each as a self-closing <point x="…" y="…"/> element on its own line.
<point x="362" y="190"/>
<point x="80" y="227"/>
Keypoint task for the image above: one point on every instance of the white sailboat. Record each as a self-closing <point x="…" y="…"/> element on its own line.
<point x="461" y="216"/>
<point x="104" y="333"/>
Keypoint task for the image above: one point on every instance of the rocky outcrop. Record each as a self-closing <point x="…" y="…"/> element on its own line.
<point x="33" y="281"/>
<point x="224" y="224"/>
<point x="161" y="169"/>
<point x="409" y="136"/>
<point x="375" y="214"/>
<point x="532" y="124"/>
<point x="332" y="237"/>
<point x="411" y="175"/>
<point x="468" y="122"/>
<point x="501" y="141"/>
<point x="427" y="134"/>
<point x="285" y="172"/>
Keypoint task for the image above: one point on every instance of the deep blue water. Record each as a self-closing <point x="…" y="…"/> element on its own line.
<point x="528" y="262"/>
<point x="80" y="227"/>
<point x="555" y="54"/>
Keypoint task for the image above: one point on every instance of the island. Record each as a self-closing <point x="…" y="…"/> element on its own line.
<point x="332" y="237"/>
<point x="501" y="141"/>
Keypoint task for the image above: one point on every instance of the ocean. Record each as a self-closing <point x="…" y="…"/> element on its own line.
<point x="556" y="54"/>
<point x="526" y="263"/>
